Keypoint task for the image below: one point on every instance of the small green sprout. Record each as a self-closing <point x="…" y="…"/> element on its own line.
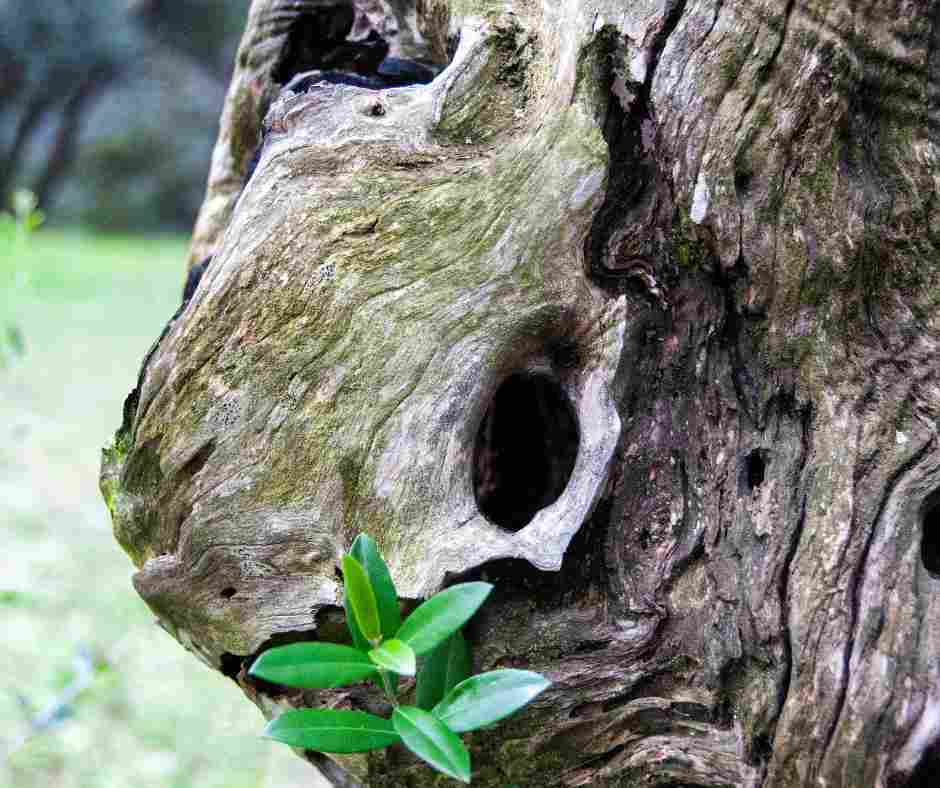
<point x="449" y="701"/>
<point x="15" y="229"/>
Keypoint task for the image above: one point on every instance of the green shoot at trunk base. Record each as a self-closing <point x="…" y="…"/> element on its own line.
<point x="449" y="701"/>
<point x="362" y="599"/>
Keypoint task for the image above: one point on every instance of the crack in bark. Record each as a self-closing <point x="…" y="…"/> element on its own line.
<point x="787" y="15"/>
<point x="785" y="575"/>
<point x="854" y="591"/>
<point x="672" y="18"/>
<point x="766" y="68"/>
<point x="718" y="7"/>
<point x="787" y="640"/>
<point x="932" y="89"/>
<point x="741" y="378"/>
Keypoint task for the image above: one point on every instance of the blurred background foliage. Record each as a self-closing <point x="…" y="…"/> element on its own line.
<point x="108" y="114"/>
<point x="109" y="110"/>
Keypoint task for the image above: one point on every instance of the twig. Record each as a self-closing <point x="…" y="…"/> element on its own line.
<point x="61" y="707"/>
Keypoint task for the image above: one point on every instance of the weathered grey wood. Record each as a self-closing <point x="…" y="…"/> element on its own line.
<point x="714" y="225"/>
<point x="253" y="87"/>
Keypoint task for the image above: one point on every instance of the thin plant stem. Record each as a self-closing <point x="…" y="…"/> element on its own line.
<point x="392" y="697"/>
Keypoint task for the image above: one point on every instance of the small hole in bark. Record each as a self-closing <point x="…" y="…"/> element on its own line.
<point x="230" y="665"/>
<point x="930" y="535"/>
<point x="763" y="748"/>
<point x="743" y="171"/>
<point x="755" y="468"/>
<point x="228" y="593"/>
<point x="525" y="450"/>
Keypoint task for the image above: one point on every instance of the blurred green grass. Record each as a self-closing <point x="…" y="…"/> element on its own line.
<point x="89" y="308"/>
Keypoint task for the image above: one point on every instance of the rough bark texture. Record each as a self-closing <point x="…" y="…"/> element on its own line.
<point x="712" y="226"/>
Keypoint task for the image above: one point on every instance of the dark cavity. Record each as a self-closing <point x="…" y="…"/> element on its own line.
<point x="525" y="450"/>
<point x="318" y="49"/>
<point x="930" y="535"/>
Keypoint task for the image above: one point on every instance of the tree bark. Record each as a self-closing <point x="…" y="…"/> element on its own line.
<point x="702" y="232"/>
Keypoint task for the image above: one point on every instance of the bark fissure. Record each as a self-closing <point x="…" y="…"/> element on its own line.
<point x="786" y="604"/>
<point x="932" y="91"/>
<point x="785" y="29"/>
<point x="690" y="55"/>
<point x="673" y="14"/>
<point x="857" y="578"/>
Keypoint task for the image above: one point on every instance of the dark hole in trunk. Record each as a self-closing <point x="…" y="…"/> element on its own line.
<point x="318" y="49"/>
<point x="930" y="535"/>
<point x="754" y="470"/>
<point x="313" y="33"/>
<point x="525" y="450"/>
<point x="228" y="593"/>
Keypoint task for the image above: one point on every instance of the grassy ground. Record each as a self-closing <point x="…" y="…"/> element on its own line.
<point x="89" y="308"/>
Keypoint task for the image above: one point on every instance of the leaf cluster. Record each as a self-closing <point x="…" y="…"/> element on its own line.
<point x="448" y="700"/>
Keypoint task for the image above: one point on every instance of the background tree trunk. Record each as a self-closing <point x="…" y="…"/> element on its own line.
<point x="27" y="126"/>
<point x="702" y="232"/>
<point x="74" y="111"/>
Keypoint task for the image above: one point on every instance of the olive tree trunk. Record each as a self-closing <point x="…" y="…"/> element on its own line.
<point x="633" y="312"/>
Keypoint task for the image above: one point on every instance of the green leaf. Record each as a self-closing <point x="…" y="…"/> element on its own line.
<point x="367" y="554"/>
<point x="361" y="598"/>
<point x="331" y="730"/>
<point x="443" y="669"/>
<point x="487" y="698"/>
<point x="433" y="742"/>
<point x="442" y="615"/>
<point x="395" y="656"/>
<point x="358" y="639"/>
<point x="313" y="665"/>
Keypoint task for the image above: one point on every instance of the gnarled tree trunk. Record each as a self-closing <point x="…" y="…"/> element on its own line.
<point x="632" y="311"/>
